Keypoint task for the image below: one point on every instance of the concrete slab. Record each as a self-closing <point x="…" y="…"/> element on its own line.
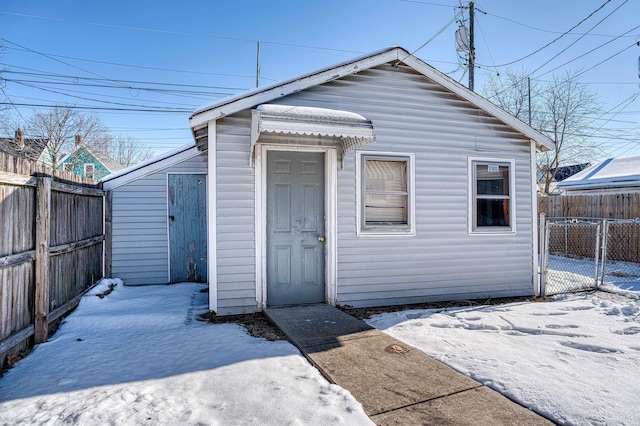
<point x="478" y="406"/>
<point x="395" y="383"/>
<point x="312" y="325"/>
<point x="382" y="376"/>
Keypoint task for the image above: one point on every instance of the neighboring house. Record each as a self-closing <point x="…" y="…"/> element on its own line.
<point x="613" y="175"/>
<point x="377" y="181"/>
<point x="559" y="174"/>
<point x="90" y="164"/>
<point x="19" y="146"/>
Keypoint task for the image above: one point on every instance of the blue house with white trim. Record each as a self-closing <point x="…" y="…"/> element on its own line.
<point x="85" y="162"/>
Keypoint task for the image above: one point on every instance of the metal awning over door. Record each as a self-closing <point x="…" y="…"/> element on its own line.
<point x="351" y="130"/>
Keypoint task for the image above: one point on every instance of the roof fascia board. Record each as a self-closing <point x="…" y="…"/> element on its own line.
<point x="542" y="142"/>
<point x="290" y="87"/>
<point x="602" y="183"/>
<point x="148" y="169"/>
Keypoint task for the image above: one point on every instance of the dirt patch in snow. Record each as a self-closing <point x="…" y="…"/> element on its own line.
<point x="255" y="324"/>
<point x="366" y="313"/>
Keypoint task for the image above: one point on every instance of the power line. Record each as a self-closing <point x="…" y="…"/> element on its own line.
<point x="148" y="89"/>
<point x="11" y="103"/>
<point x="555" y="39"/>
<point x="541" y="29"/>
<point x="141" y="66"/>
<point x="428" y="3"/>
<point x="170" y="111"/>
<point x="52" y="58"/>
<point x="606" y="59"/>
<point x="43" y="74"/>
<point x="581" y="37"/>
<point x="586" y="53"/>
<point x="432" y="37"/>
<point x="66" y="93"/>
<point x="91" y="99"/>
<point x="180" y="33"/>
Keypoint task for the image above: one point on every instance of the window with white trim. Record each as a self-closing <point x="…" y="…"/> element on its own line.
<point x="386" y="199"/>
<point x="88" y="171"/>
<point x="492" y="196"/>
<point x="68" y="167"/>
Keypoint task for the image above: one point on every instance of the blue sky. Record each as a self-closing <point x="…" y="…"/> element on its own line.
<point x="176" y="56"/>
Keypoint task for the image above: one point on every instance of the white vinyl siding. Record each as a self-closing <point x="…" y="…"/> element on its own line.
<point x="439" y="260"/>
<point x="235" y="212"/>
<point x="442" y="261"/>
<point x="140" y="234"/>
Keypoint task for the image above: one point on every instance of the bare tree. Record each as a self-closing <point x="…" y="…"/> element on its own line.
<point x="560" y="109"/>
<point x="128" y="150"/>
<point x="60" y="126"/>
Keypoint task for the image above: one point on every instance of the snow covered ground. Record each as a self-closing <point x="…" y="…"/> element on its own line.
<point x="139" y="356"/>
<point x="566" y="274"/>
<point x="575" y="360"/>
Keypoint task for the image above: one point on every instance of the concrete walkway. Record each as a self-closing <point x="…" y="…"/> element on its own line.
<point x="395" y="383"/>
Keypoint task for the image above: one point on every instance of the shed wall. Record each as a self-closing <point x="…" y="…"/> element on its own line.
<point x="140" y="253"/>
<point x="442" y="261"/>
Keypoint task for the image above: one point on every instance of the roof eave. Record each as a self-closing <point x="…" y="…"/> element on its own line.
<point x="268" y="93"/>
<point x="287" y="87"/>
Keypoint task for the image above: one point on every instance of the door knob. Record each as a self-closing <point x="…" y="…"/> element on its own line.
<point x="321" y="239"/>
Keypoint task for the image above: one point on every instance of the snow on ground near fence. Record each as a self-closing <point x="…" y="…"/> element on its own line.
<point x="139" y="356"/>
<point x="575" y="360"/>
<point x="570" y="274"/>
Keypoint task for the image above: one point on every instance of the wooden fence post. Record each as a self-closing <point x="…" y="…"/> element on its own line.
<point x="43" y="223"/>
<point x="108" y="234"/>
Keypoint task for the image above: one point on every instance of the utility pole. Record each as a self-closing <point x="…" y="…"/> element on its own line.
<point x="472" y="49"/>
<point x="529" y="97"/>
<point x="258" y="66"/>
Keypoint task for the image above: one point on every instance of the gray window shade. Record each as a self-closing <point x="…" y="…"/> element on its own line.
<point x="386" y="196"/>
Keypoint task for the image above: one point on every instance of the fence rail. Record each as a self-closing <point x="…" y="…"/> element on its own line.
<point x="51" y="248"/>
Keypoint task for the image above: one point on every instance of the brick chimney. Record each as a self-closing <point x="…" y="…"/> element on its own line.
<point x="19" y="139"/>
<point x="78" y="139"/>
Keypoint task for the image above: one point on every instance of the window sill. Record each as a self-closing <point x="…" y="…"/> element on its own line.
<point x="391" y="231"/>
<point x="498" y="230"/>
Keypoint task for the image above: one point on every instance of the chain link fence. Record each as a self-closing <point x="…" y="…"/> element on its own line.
<point x="621" y="251"/>
<point x="580" y="254"/>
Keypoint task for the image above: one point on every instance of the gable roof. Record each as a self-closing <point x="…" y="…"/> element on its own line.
<point x="109" y="163"/>
<point x="610" y="173"/>
<point x="32" y="150"/>
<point x="268" y="93"/>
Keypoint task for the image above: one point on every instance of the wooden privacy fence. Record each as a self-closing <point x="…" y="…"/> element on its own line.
<point x="51" y="248"/>
<point x="623" y="237"/>
<point x="606" y="206"/>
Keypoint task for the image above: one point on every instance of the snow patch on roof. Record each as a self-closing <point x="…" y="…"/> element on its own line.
<point x="612" y="172"/>
<point x="311" y="112"/>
